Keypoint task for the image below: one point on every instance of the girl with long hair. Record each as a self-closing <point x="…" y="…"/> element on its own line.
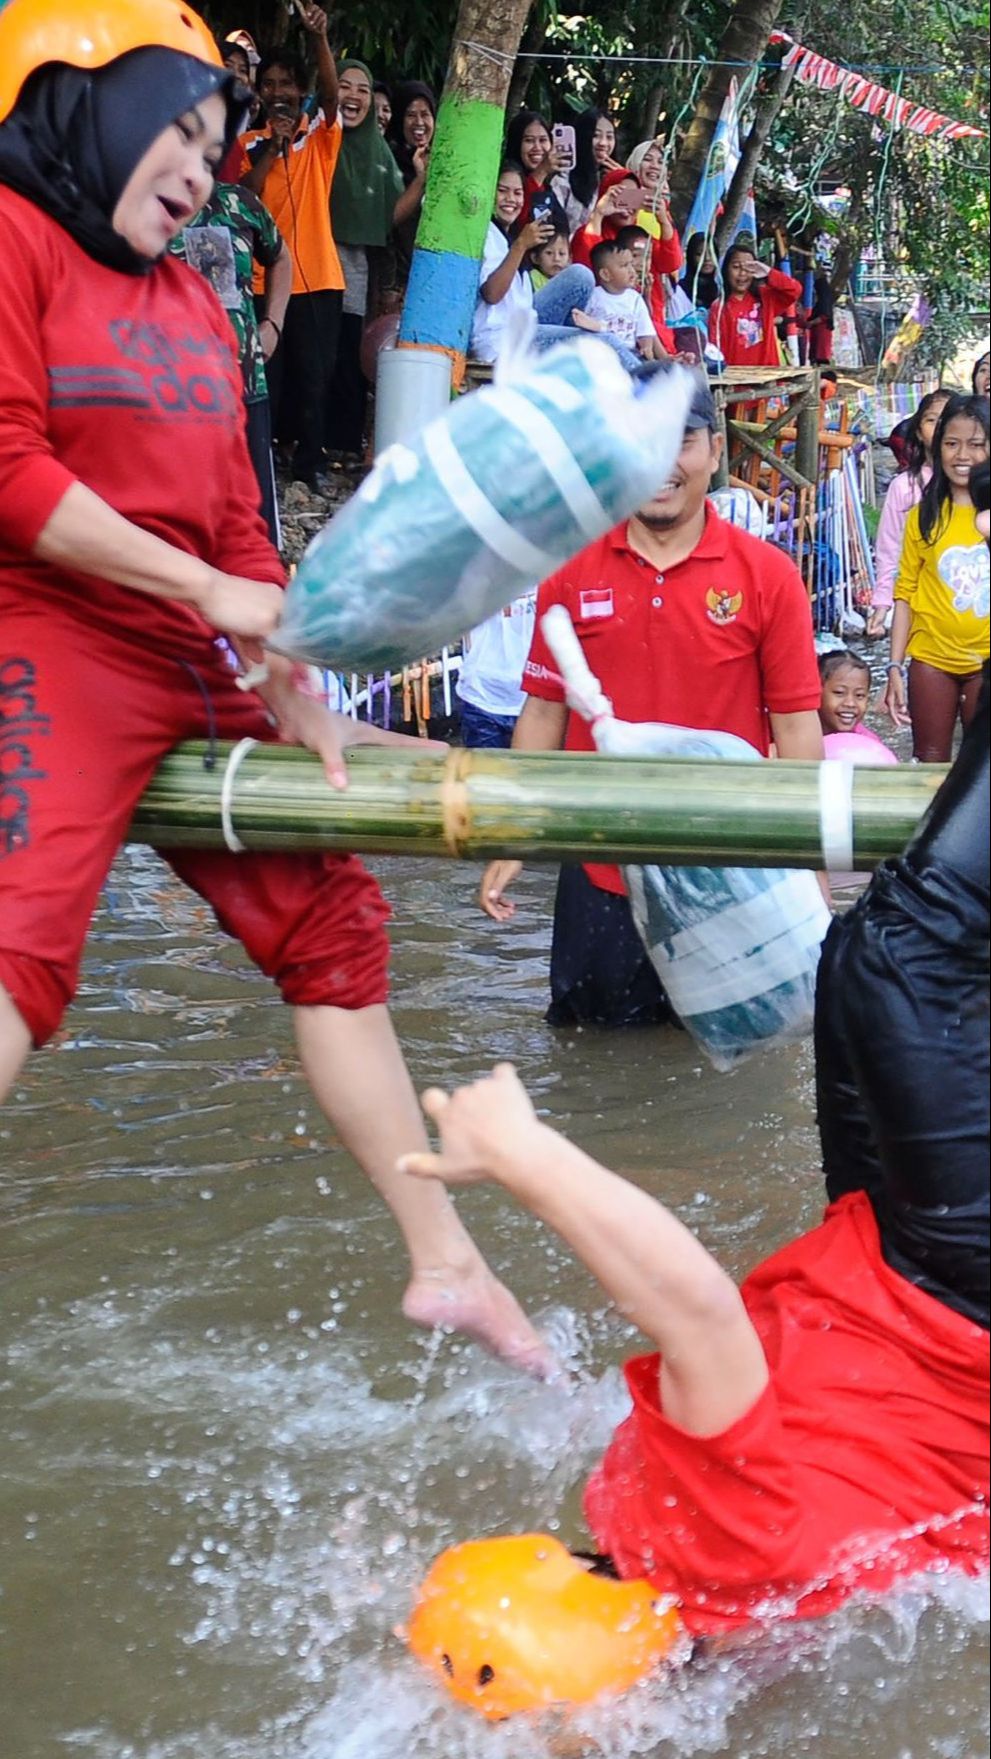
<point x="904" y="493"/>
<point x="942" y="592"/>
<point x="743" y="323"/>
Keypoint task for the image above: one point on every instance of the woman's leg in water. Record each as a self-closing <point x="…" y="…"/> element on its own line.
<point x="902" y="1043"/>
<point x="359" y="1078"/>
<point x="15" y="1043"/>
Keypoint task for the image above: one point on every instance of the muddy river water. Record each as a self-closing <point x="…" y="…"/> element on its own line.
<point x="226" y="1459"/>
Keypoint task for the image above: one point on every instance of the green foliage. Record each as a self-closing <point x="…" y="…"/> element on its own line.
<point x="923" y="206"/>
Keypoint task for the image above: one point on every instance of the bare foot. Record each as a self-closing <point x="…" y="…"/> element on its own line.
<point x="477" y="1303"/>
<point x="582" y="321"/>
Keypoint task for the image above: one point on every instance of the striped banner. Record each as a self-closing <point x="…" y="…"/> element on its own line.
<point x="864" y="94"/>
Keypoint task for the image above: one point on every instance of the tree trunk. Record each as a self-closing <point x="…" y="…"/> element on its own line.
<point x="742" y="43"/>
<point x="651" y="110"/>
<point x="464" y="165"/>
<point x="735" y="199"/>
<point x="534" y="38"/>
<point x="856" y="226"/>
<point x="665" y="34"/>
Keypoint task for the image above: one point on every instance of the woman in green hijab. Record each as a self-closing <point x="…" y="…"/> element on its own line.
<point x="367" y="199"/>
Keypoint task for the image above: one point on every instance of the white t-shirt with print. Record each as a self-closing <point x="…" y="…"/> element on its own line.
<point x="625" y="315"/>
<point x="495" y="654"/>
<point x="490" y="321"/>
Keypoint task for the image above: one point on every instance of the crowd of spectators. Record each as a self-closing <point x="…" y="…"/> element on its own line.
<point x="309" y="238"/>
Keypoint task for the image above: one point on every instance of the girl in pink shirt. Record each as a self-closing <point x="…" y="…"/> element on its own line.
<point x="904" y="493"/>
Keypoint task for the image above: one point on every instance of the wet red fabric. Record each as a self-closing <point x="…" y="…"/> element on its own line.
<point x="84" y="720"/>
<point x="864" y="1461"/>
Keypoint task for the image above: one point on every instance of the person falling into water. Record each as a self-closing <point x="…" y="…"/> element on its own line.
<point x="822" y="1430"/>
<point x="130" y="542"/>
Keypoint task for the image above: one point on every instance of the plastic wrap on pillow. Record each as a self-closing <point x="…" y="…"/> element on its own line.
<point x="736" y="948"/>
<point x="486" y="501"/>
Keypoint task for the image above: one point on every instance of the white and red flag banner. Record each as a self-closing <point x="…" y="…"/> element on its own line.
<point x="864" y="94"/>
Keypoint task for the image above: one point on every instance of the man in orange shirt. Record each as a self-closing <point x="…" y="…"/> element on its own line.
<point x="290" y="164"/>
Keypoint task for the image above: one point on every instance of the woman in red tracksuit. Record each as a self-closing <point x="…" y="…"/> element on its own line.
<point x="130" y="542"/>
<point x="742" y="324"/>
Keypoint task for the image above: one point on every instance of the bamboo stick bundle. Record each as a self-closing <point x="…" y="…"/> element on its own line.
<point x="539" y="806"/>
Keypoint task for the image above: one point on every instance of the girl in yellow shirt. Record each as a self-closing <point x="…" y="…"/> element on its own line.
<point x="942" y="592"/>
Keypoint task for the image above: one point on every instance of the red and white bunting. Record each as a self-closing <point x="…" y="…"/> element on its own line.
<point x="864" y="94"/>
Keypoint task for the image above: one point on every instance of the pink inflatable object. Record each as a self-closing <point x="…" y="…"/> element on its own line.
<point x="857" y="748"/>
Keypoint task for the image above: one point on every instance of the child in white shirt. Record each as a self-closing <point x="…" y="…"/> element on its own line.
<point x="617" y="306"/>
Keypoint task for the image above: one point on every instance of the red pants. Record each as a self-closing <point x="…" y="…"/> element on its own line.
<point x="84" y="720"/>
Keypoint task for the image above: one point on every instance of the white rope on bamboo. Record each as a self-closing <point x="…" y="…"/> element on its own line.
<point x="238" y="753"/>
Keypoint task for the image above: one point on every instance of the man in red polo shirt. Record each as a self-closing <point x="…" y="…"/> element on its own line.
<point x="685" y="619"/>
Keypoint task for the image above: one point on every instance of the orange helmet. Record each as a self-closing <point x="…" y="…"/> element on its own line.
<point x="518" y="1624"/>
<point x="91" y="33"/>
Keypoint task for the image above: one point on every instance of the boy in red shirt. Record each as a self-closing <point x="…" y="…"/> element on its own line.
<point x="824" y="1428"/>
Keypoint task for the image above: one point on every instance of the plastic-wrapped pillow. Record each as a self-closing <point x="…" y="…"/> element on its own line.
<point x="485" y="502"/>
<point x="736" y="948"/>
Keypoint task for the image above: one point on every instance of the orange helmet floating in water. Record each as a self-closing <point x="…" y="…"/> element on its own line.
<point x="90" y="34"/>
<point x="518" y="1624"/>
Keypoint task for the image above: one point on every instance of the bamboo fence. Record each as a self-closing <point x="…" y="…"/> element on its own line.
<point x="538" y="806"/>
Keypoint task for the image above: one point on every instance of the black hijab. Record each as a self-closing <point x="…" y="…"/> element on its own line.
<point x="74" y="137"/>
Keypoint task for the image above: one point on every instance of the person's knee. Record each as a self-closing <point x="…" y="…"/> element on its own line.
<point x="580" y="278"/>
<point x="39" y="990"/>
<point x="353" y="974"/>
<point x="317" y="926"/>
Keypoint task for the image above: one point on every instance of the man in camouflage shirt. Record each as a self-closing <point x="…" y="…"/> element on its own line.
<point x="232" y="233"/>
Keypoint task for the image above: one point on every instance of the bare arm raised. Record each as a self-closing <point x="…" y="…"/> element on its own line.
<point x="660" y="1276"/>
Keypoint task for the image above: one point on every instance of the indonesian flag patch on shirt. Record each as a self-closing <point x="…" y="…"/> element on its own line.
<point x="596" y="602"/>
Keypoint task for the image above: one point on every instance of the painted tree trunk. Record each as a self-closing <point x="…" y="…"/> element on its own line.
<point x="464" y="167"/>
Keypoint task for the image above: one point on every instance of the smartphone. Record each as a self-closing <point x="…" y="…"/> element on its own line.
<point x="542" y="208"/>
<point x="563" y="137"/>
<point x="628" y="198"/>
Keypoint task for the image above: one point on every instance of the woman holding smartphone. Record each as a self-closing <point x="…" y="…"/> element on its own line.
<point x="530" y="144"/>
<point x="505" y="285"/>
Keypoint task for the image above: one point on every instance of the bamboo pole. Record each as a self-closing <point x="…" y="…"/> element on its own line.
<point x="540" y="806"/>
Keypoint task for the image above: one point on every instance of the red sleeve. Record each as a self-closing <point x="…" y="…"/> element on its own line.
<point x="666" y="255"/>
<point x="540" y="674"/>
<point x="780" y="291"/>
<point x="583" y="243"/>
<point x="787" y="658"/>
<point x="231" y="165"/>
<point x="32" y="481"/>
